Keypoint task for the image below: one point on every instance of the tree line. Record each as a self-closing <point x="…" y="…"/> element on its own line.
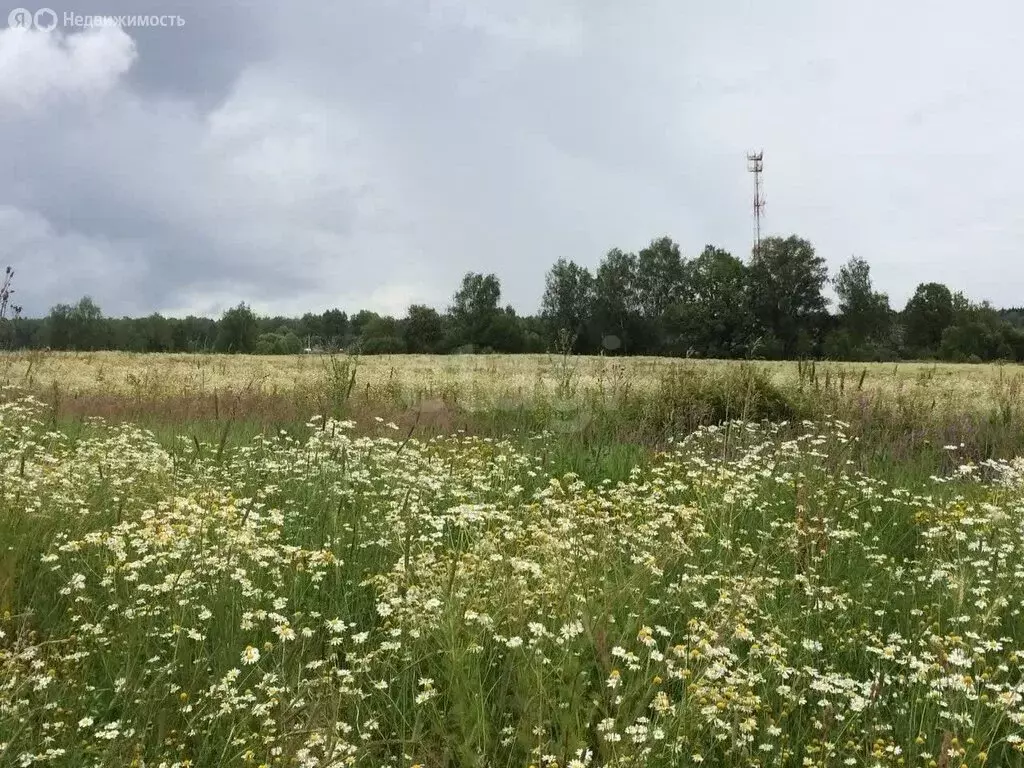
<point x="652" y="302"/>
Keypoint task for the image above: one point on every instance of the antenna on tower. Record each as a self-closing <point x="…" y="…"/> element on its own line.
<point x="755" y="165"/>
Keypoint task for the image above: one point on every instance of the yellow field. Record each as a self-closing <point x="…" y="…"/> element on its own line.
<point x="476" y="380"/>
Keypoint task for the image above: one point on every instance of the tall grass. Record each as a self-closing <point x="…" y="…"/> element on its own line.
<point x="903" y="416"/>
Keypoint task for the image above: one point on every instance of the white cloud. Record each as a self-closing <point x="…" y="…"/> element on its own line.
<point x="38" y="67"/>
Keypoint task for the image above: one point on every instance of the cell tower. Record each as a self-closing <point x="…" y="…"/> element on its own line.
<point x="755" y="164"/>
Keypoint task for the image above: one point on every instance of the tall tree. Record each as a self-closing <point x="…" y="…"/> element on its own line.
<point x="568" y="301"/>
<point x="786" y="277"/>
<point x="660" y="291"/>
<point x="716" y="320"/>
<point x="475" y="308"/>
<point x="360" y="320"/>
<point x="237" y="330"/>
<point x="334" y="327"/>
<point x="616" y="313"/>
<point x="381" y="335"/>
<point x="88" y="318"/>
<point x="76" y="327"/>
<point x="423" y="329"/>
<point x="929" y="312"/>
<point x="310" y="330"/>
<point x="57" y="327"/>
<point x="194" y="334"/>
<point x="505" y="333"/>
<point x="865" y="313"/>
<point x="660" y="276"/>
<point x="155" y="334"/>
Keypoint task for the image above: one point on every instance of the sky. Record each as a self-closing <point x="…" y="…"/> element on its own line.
<point x="305" y="155"/>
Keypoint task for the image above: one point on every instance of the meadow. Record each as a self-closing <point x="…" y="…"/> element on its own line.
<point x="509" y="561"/>
<point x="472" y="379"/>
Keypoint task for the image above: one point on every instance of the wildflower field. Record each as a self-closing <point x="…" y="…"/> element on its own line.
<point x="352" y="590"/>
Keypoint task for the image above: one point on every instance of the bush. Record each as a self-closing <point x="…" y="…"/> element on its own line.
<point x="382" y="345"/>
<point x="687" y="399"/>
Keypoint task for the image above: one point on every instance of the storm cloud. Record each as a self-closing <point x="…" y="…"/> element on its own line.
<point x="366" y="153"/>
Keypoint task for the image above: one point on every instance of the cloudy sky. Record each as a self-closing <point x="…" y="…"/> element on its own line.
<point x="366" y="153"/>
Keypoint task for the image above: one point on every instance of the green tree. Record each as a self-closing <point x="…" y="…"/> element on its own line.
<point x="282" y="342"/>
<point x="865" y="317"/>
<point x="87" y="325"/>
<point x="290" y="344"/>
<point x="380" y="335"/>
<point x="716" y="321"/>
<point x="334" y="328"/>
<point x="310" y="331"/>
<point x="75" y="327"/>
<point x="357" y="324"/>
<point x="423" y="329"/>
<point x="475" y="308"/>
<point x="616" y="312"/>
<point x="266" y="344"/>
<point x="156" y="333"/>
<point x="237" y="330"/>
<point x="505" y="333"/>
<point x="568" y="301"/>
<point x="534" y="333"/>
<point x="194" y="334"/>
<point x="978" y="333"/>
<point x="659" y="277"/>
<point x="929" y="312"/>
<point x="660" y="287"/>
<point x="786" y="278"/>
<point x="57" y="327"/>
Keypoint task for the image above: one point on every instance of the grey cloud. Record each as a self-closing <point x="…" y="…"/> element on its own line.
<point x="367" y="153"/>
<point x="199" y="60"/>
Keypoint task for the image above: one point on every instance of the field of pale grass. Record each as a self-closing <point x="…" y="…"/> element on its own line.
<point x="479" y="380"/>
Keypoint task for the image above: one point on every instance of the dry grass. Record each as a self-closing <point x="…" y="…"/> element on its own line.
<point x="904" y="411"/>
<point x="473" y="381"/>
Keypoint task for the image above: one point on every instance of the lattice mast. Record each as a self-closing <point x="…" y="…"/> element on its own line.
<point x="755" y="165"/>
